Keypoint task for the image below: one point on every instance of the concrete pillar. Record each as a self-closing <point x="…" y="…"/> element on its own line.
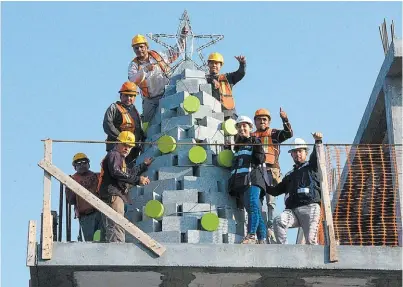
<point x="393" y="105"/>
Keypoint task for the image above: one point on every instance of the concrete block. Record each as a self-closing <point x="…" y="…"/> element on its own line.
<point x="157" y="117"/>
<point x="197" y="209"/>
<point x="189" y="85"/>
<point x="167" y="113"/>
<point x="134" y="215"/>
<point x="183" y="121"/>
<point x="236" y="214"/>
<point x="167" y="172"/>
<point x="169" y="90"/>
<point x="150" y="225"/>
<point x="173" y="101"/>
<point x="177" y="133"/>
<point x="161" y="185"/>
<point x="186" y="145"/>
<point x="188" y="73"/>
<point x="219" y="199"/>
<point x="218" y="116"/>
<point x="201" y="184"/>
<point x="217" y="173"/>
<point x="180" y="196"/>
<point x="152" y="151"/>
<point x="208" y="100"/>
<point x="166" y="236"/>
<point x="206" y="88"/>
<point x="182" y="66"/>
<point x="153" y="129"/>
<point x="202" y="112"/>
<point x="136" y="191"/>
<point x="204" y="133"/>
<point x="142" y="200"/>
<point x="174" y="79"/>
<point x="179" y="223"/>
<point x="198" y="236"/>
<point x="227" y="226"/>
<point x="241" y="228"/>
<point x="232" y="238"/>
<point x="160" y="161"/>
<point x="171" y="209"/>
<point x="210" y="122"/>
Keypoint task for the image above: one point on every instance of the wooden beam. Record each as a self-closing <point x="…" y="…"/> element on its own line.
<point x="47" y="224"/>
<point x="31" y="245"/>
<point x="326" y="203"/>
<point x="144" y="238"/>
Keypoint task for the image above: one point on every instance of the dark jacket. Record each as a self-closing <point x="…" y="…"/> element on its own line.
<point x="113" y="120"/>
<point x="233" y="78"/>
<point x="303" y="178"/>
<point x="115" y="176"/>
<point x="256" y="159"/>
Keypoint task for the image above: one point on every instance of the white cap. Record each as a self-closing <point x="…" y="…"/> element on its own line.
<point x="244" y="119"/>
<point x="298" y="143"/>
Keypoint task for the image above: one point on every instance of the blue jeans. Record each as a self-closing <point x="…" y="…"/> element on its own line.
<point x="253" y="206"/>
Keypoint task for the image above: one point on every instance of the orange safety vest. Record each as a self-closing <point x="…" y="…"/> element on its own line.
<point x="271" y="151"/>
<point x="124" y="169"/>
<point x="161" y="63"/>
<point x="127" y="120"/>
<point x="226" y="97"/>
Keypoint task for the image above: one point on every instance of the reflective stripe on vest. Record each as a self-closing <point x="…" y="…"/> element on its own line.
<point x="271" y="151"/>
<point x="243" y="160"/>
<point x="161" y="63"/>
<point x="127" y="120"/>
<point x="226" y="93"/>
<point x="243" y="152"/>
<point x="241" y="170"/>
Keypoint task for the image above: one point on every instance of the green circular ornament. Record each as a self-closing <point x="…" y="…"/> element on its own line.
<point x="97" y="235"/>
<point x="191" y="104"/>
<point x="166" y="144"/>
<point x="210" y="221"/>
<point x="229" y="127"/>
<point x="154" y="209"/>
<point x="197" y="154"/>
<point x="225" y="158"/>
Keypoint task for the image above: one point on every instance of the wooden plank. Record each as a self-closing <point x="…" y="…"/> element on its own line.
<point x="144" y="238"/>
<point x="31" y="245"/>
<point x="47" y="225"/>
<point x="326" y="202"/>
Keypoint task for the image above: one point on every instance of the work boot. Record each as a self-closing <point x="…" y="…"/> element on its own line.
<point x="249" y="239"/>
<point x="271" y="238"/>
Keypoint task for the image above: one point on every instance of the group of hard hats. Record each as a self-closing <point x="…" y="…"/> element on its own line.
<point x="298" y="142"/>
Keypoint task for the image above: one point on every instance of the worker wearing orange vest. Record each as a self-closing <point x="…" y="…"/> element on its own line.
<point x="149" y="71"/>
<point x="123" y="116"/>
<point x="222" y="84"/>
<point x="271" y="138"/>
<point x="89" y="218"/>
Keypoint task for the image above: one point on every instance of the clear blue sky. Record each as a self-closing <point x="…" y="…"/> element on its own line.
<point x="63" y="63"/>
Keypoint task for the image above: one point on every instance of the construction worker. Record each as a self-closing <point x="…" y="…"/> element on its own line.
<point x="247" y="181"/>
<point x="149" y="71"/>
<point x="123" y="116"/>
<point x="115" y="178"/>
<point x="222" y="84"/>
<point x="271" y="138"/>
<point x="302" y="194"/>
<point x="89" y="218"/>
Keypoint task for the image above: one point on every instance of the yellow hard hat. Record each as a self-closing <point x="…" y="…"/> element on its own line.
<point x="139" y="39"/>
<point x="79" y="156"/>
<point x="216" y="57"/>
<point x="127" y="137"/>
<point x="262" y="113"/>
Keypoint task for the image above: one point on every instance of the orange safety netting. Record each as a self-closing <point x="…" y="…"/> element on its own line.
<point x="363" y="182"/>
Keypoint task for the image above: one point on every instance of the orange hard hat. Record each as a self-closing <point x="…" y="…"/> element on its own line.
<point x="128" y="88"/>
<point x="262" y="113"/>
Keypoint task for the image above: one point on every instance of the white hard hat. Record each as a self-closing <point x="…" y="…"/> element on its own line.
<point x="298" y="143"/>
<point x="244" y="119"/>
